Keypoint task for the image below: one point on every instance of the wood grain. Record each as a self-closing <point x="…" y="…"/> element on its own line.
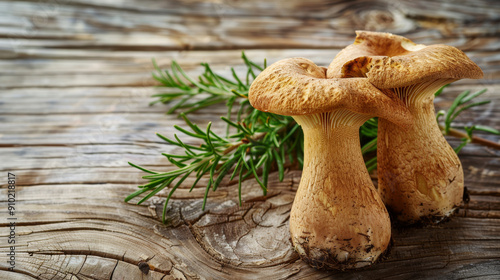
<point x="75" y="84"/>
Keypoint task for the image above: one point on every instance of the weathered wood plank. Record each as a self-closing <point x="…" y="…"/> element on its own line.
<point x="104" y="116"/>
<point x="103" y="61"/>
<point x="120" y="69"/>
<point x="228" y="25"/>
<point x="98" y="229"/>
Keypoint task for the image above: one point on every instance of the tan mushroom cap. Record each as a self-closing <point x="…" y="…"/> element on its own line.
<point x="297" y="86"/>
<point x="391" y="61"/>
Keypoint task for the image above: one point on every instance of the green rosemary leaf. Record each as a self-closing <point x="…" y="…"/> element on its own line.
<point x="195" y="135"/>
<point x="371" y="164"/>
<point x="202" y="171"/>
<point x="245" y="130"/>
<point x="254" y="172"/>
<point x="152" y="184"/>
<point x="279" y="163"/>
<point x="469" y="131"/>
<point x="472" y="96"/>
<point x="141" y="168"/>
<point x="241" y="86"/>
<point x="179" y="164"/>
<point x="238" y="135"/>
<point x="243" y="154"/>
<point x="213" y="168"/>
<point x="239" y="94"/>
<point x="188" y="148"/>
<point x="176" y="70"/>
<point x="229" y="105"/>
<point x="155" y="101"/>
<point x="172" y="95"/>
<point x="437" y="93"/>
<point x="218" y="138"/>
<point x="239" y="183"/>
<point x="464" y="143"/>
<point x="487" y="129"/>
<point x="166" y="139"/>
<point x="229" y="122"/>
<point x="193" y="126"/>
<point x="206" y="195"/>
<point x="162" y="79"/>
<point x="135" y="194"/>
<point x="247" y="77"/>
<point x="262" y="160"/>
<point x="369" y="147"/>
<point x="214" y="78"/>
<point x="205" y="103"/>
<point x="176" y="156"/>
<point x="455" y="115"/>
<point x="266" y="169"/>
<point x="170" y="195"/>
<point x="224" y="170"/>
<point x="236" y="168"/>
<point x="156" y="190"/>
<point x="227" y="82"/>
<point x="300" y="157"/>
<point x="369" y="129"/>
<point x="178" y="105"/>
<point x="439" y="114"/>
<point x="241" y="110"/>
<point x="452" y="109"/>
<point x="290" y="133"/>
<point x="208" y="140"/>
<point x="250" y="63"/>
<point x="168" y="174"/>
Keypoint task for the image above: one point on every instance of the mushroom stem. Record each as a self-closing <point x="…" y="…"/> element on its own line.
<point x="338" y="220"/>
<point x="423" y="180"/>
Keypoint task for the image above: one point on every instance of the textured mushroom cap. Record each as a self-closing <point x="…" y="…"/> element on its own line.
<point x="297" y="86"/>
<point x="391" y="61"/>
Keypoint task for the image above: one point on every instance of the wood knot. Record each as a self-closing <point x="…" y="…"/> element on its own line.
<point x="377" y="20"/>
<point x="143" y="267"/>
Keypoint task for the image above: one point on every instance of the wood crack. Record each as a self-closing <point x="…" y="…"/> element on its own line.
<point x="113" y="271"/>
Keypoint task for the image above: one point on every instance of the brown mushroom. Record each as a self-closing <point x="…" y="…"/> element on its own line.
<point x="338" y="220"/>
<point x="420" y="175"/>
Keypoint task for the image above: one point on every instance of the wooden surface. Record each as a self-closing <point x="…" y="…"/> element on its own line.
<point x="75" y="85"/>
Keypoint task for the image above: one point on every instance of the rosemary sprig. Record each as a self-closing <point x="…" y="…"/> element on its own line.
<point x="213" y="88"/>
<point x="255" y="142"/>
<point x="258" y="147"/>
<point x="258" y="143"/>
<point x="463" y="102"/>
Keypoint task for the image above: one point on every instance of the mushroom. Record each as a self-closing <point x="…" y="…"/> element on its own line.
<point x="420" y="175"/>
<point x="338" y="220"/>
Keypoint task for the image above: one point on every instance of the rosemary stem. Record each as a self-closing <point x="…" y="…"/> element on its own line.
<point x="257" y="137"/>
<point x="475" y="139"/>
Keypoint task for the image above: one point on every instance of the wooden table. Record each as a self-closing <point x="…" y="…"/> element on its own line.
<point x="75" y="83"/>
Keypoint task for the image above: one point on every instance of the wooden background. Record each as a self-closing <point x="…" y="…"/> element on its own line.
<point x="75" y="83"/>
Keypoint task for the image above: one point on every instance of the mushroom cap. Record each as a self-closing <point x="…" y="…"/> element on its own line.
<point x="297" y="86"/>
<point x="391" y="61"/>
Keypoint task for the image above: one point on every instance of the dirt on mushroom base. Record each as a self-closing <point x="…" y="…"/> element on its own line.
<point x="328" y="260"/>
